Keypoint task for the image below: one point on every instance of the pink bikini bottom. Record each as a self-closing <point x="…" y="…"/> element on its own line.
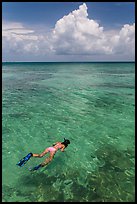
<point x="51" y="149"/>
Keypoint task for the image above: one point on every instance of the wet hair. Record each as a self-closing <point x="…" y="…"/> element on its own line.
<point x="66" y="142"/>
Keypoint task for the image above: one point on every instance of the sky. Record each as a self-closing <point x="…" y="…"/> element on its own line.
<point x="68" y="31"/>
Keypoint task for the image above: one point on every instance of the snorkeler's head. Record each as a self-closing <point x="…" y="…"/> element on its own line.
<point x="66" y="142"/>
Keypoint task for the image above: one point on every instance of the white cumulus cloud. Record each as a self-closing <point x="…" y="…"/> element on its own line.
<point x="124" y="41"/>
<point x="73" y="34"/>
<point x="77" y="34"/>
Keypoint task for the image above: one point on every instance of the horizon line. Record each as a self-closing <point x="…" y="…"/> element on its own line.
<point x="64" y="61"/>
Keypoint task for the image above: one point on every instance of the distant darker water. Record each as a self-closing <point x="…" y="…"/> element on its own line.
<point x="91" y="104"/>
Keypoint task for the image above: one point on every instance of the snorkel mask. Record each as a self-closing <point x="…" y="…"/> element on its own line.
<point x="66" y="141"/>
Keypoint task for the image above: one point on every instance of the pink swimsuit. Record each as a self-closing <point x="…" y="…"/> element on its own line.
<point x="51" y="149"/>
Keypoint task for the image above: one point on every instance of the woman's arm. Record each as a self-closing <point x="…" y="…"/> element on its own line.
<point x="55" y="143"/>
<point x="62" y="149"/>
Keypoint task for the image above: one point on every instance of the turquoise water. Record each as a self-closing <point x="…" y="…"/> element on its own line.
<point x="92" y="105"/>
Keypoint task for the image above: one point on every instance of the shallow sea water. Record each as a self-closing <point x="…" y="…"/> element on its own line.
<point x="92" y="105"/>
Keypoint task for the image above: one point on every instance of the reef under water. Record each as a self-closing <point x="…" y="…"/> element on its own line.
<point x="112" y="181"/>
<point x="92" y="105"/>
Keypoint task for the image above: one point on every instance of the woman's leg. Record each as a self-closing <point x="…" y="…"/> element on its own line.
<point x="42" y="154"/>
<point x="48" y="160"/>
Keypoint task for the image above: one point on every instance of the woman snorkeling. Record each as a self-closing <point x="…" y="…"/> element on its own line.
<point x="51" y="150"/>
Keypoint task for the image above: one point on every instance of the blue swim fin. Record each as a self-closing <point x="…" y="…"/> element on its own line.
<point x="24" y="160"/>
<point x="36" y="167"/>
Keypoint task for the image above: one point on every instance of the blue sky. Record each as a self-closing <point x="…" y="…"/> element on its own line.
<point x="68" y="31"/>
